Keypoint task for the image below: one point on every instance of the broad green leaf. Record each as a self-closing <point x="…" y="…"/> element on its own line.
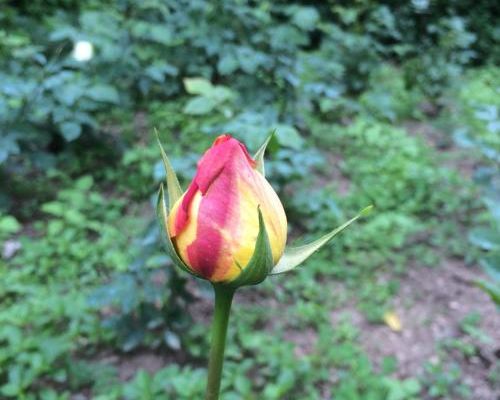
<point x="172" y="340"/>
<point x="261" y="263"/>
<point x="160" y="33"/>
<point x="494" y="207"/>
<point x="227" y="64"/>
<point x="306" y="18"/>
<point x="8" y="145"/>
<point x="70" y="130"/>
<point x="173" y="186"/>
<point x="294" y="256"/>
<point x="9" y="224"/>
<point x="161" y="211"/>
<point x="220" y="94"/>
<point x="69" y="93"/>
<point x="491" y="265"/>
<point x="484" y="238"/>
<point x="289" y="137"/>
<point x="84" y="183"/>
<point x="200" y="105"/>
<point x="105" y="93"/>
<point x="54" y="208"/>
<point x="198" y="86"/>
<point x="259" y="156"/>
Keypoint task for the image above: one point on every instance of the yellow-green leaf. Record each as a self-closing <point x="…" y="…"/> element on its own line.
<point x="173" y="186"/>
<point x="294" y="256"/>
<point x="198" y="86"/>
<point x="259" y="156"/>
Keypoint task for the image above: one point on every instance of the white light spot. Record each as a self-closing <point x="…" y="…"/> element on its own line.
<point x="83" y="51"/>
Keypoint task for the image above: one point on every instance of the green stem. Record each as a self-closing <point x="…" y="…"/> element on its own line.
<point x="223" y="300"/>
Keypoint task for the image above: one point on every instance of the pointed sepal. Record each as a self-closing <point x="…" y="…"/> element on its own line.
<point x="259" y="156"/>
<point x="294" y="256"/>
<point x="261" y="263"/>
<point x="173" y="186"/>
<point x="161" y="211"/>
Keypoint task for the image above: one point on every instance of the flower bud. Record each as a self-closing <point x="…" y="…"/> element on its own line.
<point x="214" y="226"/>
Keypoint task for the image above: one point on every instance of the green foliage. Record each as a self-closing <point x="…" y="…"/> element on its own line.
<point x="445" y="380"/>
<point x="388" y="97"/>
<point x="478" y="128"/>
<point x="77" y="215"/>
<point x="40" y="328"/>
<point x="390" y="168"/>
<point x="45" y="312"/>
<point x="478" y="114"/>
<point x="145" y="306"/>
<point x="209" y="97"/>
<point x="47" y="93"/>
<point x="169" y="381"/>
<point x="8" y="226"/>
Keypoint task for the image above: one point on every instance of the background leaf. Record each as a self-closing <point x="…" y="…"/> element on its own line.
<point x="70" y="130"/>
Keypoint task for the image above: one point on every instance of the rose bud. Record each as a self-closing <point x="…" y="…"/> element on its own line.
<point x="229" y="227"/>
<point x="215" y="224"/>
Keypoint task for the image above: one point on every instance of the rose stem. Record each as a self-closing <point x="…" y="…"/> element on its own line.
<point x="223" y="300"/>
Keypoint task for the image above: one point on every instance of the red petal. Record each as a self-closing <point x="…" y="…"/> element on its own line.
<point x="225" y="153"/>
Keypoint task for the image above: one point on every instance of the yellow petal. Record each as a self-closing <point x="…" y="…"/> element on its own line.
<point x="392" y="321"/>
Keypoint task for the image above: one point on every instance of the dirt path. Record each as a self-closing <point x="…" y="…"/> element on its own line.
<point x="432" y="304"/>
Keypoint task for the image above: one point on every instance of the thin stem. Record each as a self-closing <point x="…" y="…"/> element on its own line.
<point x="223" y="300"/>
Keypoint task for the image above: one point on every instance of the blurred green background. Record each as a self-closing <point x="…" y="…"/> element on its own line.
<point x="389" y="103"/>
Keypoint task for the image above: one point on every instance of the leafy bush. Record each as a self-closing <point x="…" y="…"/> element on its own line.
<point x="477" y="114"/>
<point x="388" y="97"/>
<point x="147" y="304"/>
<point x="390" y="168"/>
<point x="45" y="314"/>
<point x="476" y="119"/>
<point x="141" y="51"/>
<point x="78" y="217"/>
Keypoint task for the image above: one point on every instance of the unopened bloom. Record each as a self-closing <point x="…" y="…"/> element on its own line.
<point x="214" y="226"/>
<point x="229" y="226"/>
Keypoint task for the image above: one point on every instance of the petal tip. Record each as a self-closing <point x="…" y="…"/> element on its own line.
<point x="222" y="138"/>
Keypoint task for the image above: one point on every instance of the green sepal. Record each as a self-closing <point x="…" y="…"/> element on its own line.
<point x="261" y="263"/>
<point x="161" y="211"/>
<point x="259" y="156"/>
<point x="294" y="256"/>
<point x="173" y="186"/>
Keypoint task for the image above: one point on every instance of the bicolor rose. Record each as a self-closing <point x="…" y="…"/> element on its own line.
<point x="229" y="226"/>
<point x="215" y="224"/>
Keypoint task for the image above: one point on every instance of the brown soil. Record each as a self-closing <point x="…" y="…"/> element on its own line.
<point x="148" y="361"/>
<point x="431" y="304"/>
<point x="454" y="157"/>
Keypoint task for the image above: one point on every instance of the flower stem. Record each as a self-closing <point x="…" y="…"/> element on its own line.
<point x="223" y="300"/>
